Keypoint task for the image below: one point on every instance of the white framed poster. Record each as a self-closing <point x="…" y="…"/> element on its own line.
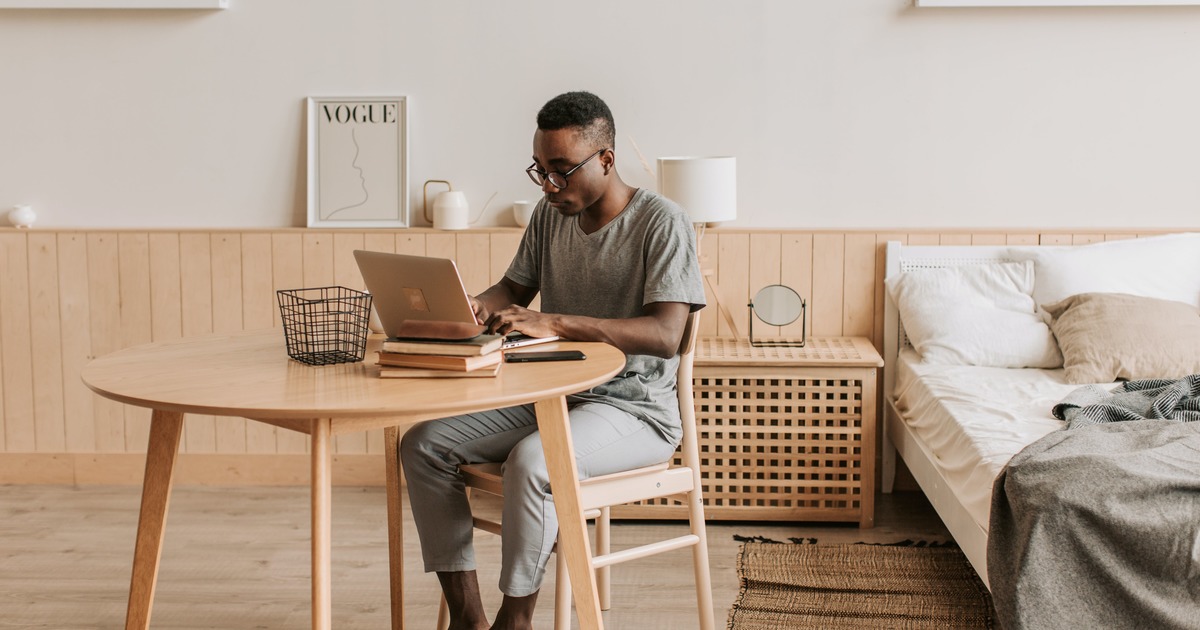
<point x="358" y="161"/>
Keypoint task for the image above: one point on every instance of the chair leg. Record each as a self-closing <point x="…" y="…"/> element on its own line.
<point x="704" y="598"/>
<point x="603" y="547"/>
<point x="562" y="594"/>
<point x="443" y="620"/>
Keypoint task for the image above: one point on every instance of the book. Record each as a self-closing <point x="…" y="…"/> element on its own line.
<point x="405" y="372"/>
<point x="475" y="346"/>
<point x="436" y="330"/>
<point x="439" y="362"/>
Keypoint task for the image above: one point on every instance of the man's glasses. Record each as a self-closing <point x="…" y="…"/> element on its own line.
<point x="556" y="179"/>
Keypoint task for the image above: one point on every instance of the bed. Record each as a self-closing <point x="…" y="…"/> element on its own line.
<point x="957" y="423"/>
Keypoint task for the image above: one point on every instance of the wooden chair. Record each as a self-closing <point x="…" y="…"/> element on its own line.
<point x="599" y="493"/>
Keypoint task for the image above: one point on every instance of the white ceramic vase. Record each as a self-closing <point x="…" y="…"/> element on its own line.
<point x="22" y="216"/>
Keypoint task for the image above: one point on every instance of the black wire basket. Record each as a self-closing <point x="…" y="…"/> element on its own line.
<point x="325" y="325"/>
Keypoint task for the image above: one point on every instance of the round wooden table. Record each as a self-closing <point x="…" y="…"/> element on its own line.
<point x="250" y="375"/>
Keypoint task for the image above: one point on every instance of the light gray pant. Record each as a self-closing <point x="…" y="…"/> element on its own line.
<point x="606" y="440"/>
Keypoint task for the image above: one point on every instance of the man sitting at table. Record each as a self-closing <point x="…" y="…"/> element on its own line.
<point x="613" y="263"/>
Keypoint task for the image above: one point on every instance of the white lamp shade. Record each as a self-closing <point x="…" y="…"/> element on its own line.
<point x="705" y="186"/>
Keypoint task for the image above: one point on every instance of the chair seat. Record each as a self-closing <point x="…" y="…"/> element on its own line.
<point x="657" y="480"/>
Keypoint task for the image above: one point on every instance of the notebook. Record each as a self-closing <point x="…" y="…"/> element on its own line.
<point x="406" y="287"/>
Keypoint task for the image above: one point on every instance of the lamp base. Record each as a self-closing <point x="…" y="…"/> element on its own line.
<point x="712" y="287"/>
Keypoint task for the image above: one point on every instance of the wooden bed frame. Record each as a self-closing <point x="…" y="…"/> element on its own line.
<point x="897" y="437"/>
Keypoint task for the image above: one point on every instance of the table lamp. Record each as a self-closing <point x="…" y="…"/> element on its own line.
<point x="706" y="187"/>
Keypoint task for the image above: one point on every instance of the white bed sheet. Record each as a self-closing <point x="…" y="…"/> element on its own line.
<point x="974" y="419"/>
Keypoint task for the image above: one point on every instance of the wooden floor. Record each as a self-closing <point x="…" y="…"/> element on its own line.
<point x="239" y="558"/>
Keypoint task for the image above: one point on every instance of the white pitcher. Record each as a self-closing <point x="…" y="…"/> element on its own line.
<point x="451" y="211"/>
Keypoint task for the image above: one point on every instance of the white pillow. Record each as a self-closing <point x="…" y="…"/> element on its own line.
<point x="1164" y="267"/>
<point x="974" y="315"/>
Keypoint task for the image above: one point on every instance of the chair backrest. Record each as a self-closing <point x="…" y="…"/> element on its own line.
<point x="683" y="388"/>
<point x="687" y="356"/>
<point x="687" y="343"/>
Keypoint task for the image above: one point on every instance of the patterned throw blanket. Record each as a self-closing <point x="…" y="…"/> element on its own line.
<point x="1099" y="526"/>
<point x="1133" y="400"/>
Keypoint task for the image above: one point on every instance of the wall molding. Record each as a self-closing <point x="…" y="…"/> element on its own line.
<point x="204" y="469"/>
<point x="114" y="4"/>
<point x="67" y="296"/>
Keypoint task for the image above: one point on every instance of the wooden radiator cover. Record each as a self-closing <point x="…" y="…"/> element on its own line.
<point x="777" y="442"/>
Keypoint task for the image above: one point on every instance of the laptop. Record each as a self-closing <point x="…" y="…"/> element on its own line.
<point x="407" y="287"/>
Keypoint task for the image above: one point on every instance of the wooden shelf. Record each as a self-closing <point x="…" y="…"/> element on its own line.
<point x="817" y="351"/>
<point x="114" y="4"/>
<point x="1053" y="3"/>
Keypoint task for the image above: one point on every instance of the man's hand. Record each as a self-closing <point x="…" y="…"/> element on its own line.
<point x="532" y="323"/>
<point x="480" y="309"/>
<point x="656" y="333"/>
<point x="497" y="298"/>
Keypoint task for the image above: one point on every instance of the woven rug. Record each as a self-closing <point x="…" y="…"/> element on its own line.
<point x="839" y="587"/>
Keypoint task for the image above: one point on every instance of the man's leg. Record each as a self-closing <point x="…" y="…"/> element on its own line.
<point x="430" y="454"/>
<point x="606" y="440"/>
<point x="463" y="600"/>
<point x="516" y="613"/>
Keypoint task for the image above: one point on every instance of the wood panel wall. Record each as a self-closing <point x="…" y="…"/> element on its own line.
<point x="68" y="296"/>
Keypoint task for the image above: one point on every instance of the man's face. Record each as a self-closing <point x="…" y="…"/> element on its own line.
<point x="561" y="150"/>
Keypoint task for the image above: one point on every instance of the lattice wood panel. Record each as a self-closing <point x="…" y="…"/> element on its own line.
<point x="775" y="447"/>
<point x="834" y="350"/>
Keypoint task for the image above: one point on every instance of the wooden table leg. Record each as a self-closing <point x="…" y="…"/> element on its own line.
<point x="572" y="527"/>
<point x="165" y="429"/>
<point x="322" y="492"/>
<point x="395" y="523"/>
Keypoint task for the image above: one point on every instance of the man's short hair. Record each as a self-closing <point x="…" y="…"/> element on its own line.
<point x="583" y="110"/>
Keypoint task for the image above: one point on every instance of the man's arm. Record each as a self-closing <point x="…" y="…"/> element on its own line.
<point x="657" y="332"/>
<point x="501" y="295"/>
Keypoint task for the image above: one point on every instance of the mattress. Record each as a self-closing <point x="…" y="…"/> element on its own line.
<point x="974" y="419"/>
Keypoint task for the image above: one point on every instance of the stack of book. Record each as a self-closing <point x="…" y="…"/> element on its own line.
<point x="478" y="356"/>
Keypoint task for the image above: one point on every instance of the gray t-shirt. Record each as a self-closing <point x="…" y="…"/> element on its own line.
<point x="646" y="254"/>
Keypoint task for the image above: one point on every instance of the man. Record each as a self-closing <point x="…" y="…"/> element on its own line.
<point x="612" y="263"/>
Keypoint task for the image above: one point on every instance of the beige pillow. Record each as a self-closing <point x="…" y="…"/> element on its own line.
<point x="1109" y="336"/>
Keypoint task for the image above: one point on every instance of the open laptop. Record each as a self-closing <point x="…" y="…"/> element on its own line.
<point x="419" y="287"/>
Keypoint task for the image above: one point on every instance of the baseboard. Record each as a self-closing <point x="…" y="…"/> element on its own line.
<point x="205" y="469"/>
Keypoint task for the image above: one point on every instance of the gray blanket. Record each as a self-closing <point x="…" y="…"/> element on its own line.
<point x="1132" y="400"/>
<point x="1099" y="527"/>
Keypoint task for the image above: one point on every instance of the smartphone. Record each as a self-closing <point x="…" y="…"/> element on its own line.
<point x="553" y="355"/>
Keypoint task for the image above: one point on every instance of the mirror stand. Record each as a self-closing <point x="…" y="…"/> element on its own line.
<point x="780" y="306"/>
<point x="781" y="343"/>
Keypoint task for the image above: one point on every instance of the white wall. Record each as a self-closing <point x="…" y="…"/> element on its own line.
<point x="846" y="113"/>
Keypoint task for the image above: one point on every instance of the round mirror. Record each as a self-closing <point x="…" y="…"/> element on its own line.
<point x="777" y="305"/>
